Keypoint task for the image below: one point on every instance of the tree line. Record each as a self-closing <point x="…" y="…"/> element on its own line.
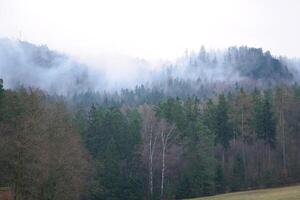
<point x="172" y="148"/>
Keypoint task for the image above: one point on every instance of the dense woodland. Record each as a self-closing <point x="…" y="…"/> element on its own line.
<point x="180" y="138"/>
<point x="173" y="149"/>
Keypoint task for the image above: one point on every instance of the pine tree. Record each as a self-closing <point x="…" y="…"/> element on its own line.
<point x="264" y="123"/>
<point x="223" y="128"/>
<point x="238" y="173"/>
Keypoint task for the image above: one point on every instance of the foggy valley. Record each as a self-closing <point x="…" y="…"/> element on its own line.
<point x="149" y="100"/>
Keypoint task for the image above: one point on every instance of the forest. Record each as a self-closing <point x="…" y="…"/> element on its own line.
<point x="186" y="135"/>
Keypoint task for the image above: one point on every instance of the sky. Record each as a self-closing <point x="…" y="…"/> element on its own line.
<point x="153" y="29"/>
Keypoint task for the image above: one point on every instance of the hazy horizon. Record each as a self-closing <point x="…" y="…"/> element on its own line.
<point x="149" y="99"/>
<point x="152" y="30"/>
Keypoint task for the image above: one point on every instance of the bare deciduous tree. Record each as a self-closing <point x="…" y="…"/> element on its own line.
<point x="167" y="131"/>
<point x="150" y="136"/>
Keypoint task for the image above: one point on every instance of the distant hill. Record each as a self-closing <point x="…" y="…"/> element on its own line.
<point x="29" y="65"/>
<point x="256" y="64"/>
<point x="23" y="63"/>
<point x="232" y="64"/>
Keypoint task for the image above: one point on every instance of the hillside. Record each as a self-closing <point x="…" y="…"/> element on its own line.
<point x="284" y="193"/>
<point x="25" y="64"/>
<point x="204" y="128"/>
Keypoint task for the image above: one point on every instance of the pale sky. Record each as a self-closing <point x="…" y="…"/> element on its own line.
<point x="154" y="29"/>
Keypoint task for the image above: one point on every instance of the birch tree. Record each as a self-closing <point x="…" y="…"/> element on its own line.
<point x="150" y="137"/>
<point x="167" y="132"/>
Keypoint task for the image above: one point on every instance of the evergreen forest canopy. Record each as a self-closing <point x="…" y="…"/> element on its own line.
<point x="208" y="123"/>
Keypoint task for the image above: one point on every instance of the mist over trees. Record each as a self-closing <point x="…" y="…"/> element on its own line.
<point x="25" y="64"/>
<point x="210" y="122"/>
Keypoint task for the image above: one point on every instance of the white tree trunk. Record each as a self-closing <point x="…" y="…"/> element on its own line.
<point x="152" y="144"/>
<point x="164" y="139"/>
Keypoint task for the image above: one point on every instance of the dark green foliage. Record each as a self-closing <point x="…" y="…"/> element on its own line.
<point x="238" y="173"/>
<point x="183" y="189"/>
<point x="172" y="110"/>
<point x="264" y="120"/>
<point x="220" y="182"/>
<point x="223" y="128"/>
<point x="256" y="64"/>
<point x="80" y="122"/>
<point x="113" y="139"/>
<point x="42" y="156"/>
<point x="201" y="168"/>
<point x="199" y="174"/>
<point x="39" y="141"/>
<point x="209" y="115"/>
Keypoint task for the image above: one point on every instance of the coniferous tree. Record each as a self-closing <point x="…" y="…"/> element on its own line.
<point x="223" y="127"/>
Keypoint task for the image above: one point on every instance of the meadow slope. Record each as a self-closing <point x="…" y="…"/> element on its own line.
<point x="283" y="193"/>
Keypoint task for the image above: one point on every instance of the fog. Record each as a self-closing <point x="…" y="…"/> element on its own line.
<point x="157" y="29"/>
<point x="107" y="45"/>
<point x="25" y="64"/>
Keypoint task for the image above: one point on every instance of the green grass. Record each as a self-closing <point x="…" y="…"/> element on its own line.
<point x="284" y="193"/>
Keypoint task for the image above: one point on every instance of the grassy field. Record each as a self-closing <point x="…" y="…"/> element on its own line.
<point x="284" y="193"/>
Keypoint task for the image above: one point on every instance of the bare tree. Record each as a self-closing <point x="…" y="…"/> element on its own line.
<point x="153" y="130"/>
<point x="43" y="155"/>
<point x="167" y="130"/>
<point x="150" y="137"/>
